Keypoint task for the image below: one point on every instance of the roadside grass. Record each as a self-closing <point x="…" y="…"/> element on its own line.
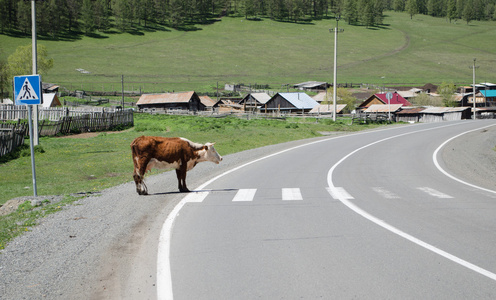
<point x="235" y="50"/>
<point x="77" y="165"/>
<point x="26" y="216"/>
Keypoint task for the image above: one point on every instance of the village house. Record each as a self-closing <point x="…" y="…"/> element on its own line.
<point x="254" y="101"/>
<point x="312" y="85"/>
<point x="382" y="100"/>
<point x="171" y="101"/>
<point x="208" y="102"/>
<point x="290" y="103"/>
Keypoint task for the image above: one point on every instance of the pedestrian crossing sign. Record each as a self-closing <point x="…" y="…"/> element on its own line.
<point x="27" y="90"/>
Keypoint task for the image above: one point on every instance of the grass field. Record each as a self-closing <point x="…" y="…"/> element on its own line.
<point x="233" y="50"/>
<point x="72" y="164"/>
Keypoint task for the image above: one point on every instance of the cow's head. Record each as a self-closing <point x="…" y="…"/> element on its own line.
<point x="211" y="154"/>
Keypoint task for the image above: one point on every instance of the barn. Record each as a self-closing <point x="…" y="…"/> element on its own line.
<point x="253" y="101"/>
<point x="439" y="114"/>
<point x="410" y="115"/>
<point x="290" y="103"/>
<point x="312" y="85"/>
<point x="171" y="101"/>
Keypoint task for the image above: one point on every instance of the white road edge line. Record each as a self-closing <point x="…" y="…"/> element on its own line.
<point x="438" y="166"/>
<point x="395" y="230"/>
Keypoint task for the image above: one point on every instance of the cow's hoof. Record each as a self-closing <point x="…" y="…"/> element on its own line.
<point x="142" y="193"/>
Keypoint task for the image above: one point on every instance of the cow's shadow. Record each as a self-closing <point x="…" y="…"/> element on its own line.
<point x="194" y="191"/>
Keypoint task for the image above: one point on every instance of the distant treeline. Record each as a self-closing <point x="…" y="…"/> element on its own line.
<point x="57" y="17"/>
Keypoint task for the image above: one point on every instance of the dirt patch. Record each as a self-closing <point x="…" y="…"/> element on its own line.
<point x="12" y="205"/>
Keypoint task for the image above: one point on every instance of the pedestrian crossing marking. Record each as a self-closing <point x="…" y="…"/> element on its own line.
<point x="244" y="195"/>
<point x="196" y="196"/>
<point x="294" y="194"/>
<point x="291" y="194"/>
<point x="385" y="193"/>
<point x="434" y="193"/>
<point x="339" y="193"/>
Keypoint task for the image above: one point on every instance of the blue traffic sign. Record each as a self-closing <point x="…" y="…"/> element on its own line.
<point x="27" y="90"/>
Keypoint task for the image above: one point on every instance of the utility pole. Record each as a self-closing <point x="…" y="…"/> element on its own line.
<point x="334" y="86"/>
<point x="35" y="70"/>
<point x="473" y="87"/>
<point x="122" y="83"/>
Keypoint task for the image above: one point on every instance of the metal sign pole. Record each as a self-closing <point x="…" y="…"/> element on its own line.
<point x="31" y="146"/>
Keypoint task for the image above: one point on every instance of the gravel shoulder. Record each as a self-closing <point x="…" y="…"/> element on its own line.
<point x="104" y="246"/>
<point x="472" y="157"/>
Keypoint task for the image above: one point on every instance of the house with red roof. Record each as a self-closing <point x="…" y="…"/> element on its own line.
<point x="382" y="100"/>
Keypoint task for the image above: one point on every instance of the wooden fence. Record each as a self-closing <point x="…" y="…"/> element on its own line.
<point x="87" y="123"/>
<point x="15" y="112"/>
<point x="95" y="121"/>
<point x="11" y="137"/>
<point x="58" y="121"/>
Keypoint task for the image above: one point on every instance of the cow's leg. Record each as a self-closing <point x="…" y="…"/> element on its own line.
<point x="139" y="175"/>
<point x="181" y="179"/>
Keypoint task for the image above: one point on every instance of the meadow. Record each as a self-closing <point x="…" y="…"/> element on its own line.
<point x="80" y="165"/>
<point x="403" y="51"/>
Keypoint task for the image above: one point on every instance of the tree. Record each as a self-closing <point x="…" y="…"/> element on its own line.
<point x="176" y="13"/>
<point x="366" y="12"/>
<point x="447" y="92"/>
<point x="412" y="8"/>
<point x="344" y="96"/>
<point x="21" y="61"/>
<point x="102" y="15"/>
<point x="122" y="14"/>
<point x="24" y="16"/>
<point x="424" y="99"/>
<point x="399" y="5"/>
<point x="451" y="12"/>
<point x="72" y="7"/>
<point x="4" y="82"/>
<point x="469" y="11"/>
<point x="351" y="11"/>
<point x="88" y="16"/>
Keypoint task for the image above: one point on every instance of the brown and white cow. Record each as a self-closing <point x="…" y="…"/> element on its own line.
<point x="168" y="153"/>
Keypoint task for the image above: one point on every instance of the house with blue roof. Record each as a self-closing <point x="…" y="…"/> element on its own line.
<point x="290" y="103"/>
<point x="490" y="96"/>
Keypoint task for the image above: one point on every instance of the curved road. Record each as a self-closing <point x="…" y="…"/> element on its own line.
<point x="365" y="215"/>
<point x="277" y="227"/>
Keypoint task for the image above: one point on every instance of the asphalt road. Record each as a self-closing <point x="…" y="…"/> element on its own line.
<point x="368" y="215"/>
<point x="272" y="229"/>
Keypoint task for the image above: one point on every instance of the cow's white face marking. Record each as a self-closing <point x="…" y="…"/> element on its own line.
<point x="157" y="164"/>
<point x="212" y="154"/>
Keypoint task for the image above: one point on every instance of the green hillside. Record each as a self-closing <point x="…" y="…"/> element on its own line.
<point x="235" y="50"/>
